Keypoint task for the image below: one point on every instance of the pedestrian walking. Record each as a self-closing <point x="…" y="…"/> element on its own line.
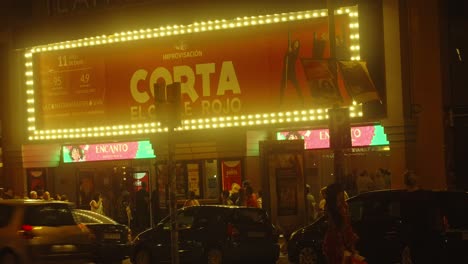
<point x="259" y="199"/>
<point x="96" y="204"/>
<point x="32" y="195"/>
<point x="250" y="198"/>
<point x="142" y="208"/>
<point x="225" y="199"/>
<point x="124" y="211"/>
<point x="340" y="239"/>
<point x="310" y="205"/>
<point x="46" y="196"/>
<point x="192" y="200"/>
<point x="234" y="192"/>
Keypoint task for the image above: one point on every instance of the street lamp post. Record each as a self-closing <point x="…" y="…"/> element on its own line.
<point x="335" y="124"/>
<point x="167" y="103"/>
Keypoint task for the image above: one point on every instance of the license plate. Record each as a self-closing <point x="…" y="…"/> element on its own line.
<point x="111" y="236"/>
<point x="63" y="248"/>
<point x="255" y="234"/>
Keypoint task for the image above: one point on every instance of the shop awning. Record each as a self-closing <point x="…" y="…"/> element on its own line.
<point x="40" y="155"/>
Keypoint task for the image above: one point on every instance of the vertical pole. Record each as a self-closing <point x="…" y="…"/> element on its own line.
<point x="331" y="28"/>
<point x="338" y="154"/>
<point x="172" y="196"/>
<point x="167" y="104"/>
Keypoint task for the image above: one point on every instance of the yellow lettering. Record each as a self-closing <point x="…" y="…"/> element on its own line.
<point x="205" y="70"/>
<point x="228" y="79"/>
<point x="140" y="97"/>
<point x="188" y="86"/>
<point x="187" y="109"/>
<point x="205" y="107"/>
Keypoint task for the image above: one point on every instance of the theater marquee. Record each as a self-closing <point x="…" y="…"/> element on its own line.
<point x="245" y="71"/>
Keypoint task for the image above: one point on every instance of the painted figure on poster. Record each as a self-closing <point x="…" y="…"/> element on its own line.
<point x="77" y="153"/>
<point x="289" y="70"/>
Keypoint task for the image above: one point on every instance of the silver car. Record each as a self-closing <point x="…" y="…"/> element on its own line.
<point x="36" y="231"/>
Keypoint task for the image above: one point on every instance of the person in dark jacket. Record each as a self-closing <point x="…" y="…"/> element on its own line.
<point x="142" y="208"/>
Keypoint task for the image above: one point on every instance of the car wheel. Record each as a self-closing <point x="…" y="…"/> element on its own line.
<point x="214" y="256"/>
<point x="143" y="256"/>
<point x="308" y="256"/>
<point x="8" y="257"/>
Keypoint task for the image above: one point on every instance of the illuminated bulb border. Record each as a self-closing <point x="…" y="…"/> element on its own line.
<point x="194" y="124"/>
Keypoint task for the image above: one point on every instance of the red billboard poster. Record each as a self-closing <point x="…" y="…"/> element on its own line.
<point x="222" y="73"/>
<point x="231" y="173"/>
<point x="36" y="179"/>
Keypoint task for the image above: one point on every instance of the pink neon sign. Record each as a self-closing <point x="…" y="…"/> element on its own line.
<point x="320" y="138"/>
<point x="108" y="151"/>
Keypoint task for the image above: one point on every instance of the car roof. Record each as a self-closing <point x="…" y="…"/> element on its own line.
<point x="99" y="218"/>
<point x="397" y="192"/>
<point x="30" y="202"/>
<point x="222" y="206"/>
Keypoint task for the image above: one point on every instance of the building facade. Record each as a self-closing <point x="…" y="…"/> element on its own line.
<point x="80" y="75"/>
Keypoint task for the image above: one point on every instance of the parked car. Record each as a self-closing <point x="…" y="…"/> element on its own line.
<point x="212" y="234"/>
<point x="36" y="231"/>
<point x="382" y="220"/>
<point x="112" y="240"/>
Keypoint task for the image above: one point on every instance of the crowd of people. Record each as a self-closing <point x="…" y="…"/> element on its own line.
<point x="242" y="196"/>
<point x="238" y="195"/>
<point x="354" y="183"/>
<point x="363" y="181"/>
<point x="39" y="194"/>
<point x="6" y="194"/>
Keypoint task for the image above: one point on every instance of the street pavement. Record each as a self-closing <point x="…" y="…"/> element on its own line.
<point x="283" y="259"/>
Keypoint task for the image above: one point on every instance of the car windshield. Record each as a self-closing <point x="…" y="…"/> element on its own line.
<point x="48" y="215"/>
<point x="88" y="217"/>
<point x="250" y="216"/>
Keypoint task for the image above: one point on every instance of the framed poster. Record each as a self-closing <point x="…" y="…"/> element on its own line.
<point x="139" y="178"/>
<point x="36" y="179"/>
<point x="193" y="175"/>
<point x="286" y="189"/>
<point x="231" y="171"/>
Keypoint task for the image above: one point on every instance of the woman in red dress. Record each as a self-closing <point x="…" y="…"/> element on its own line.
<point x="339" y="237"/>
